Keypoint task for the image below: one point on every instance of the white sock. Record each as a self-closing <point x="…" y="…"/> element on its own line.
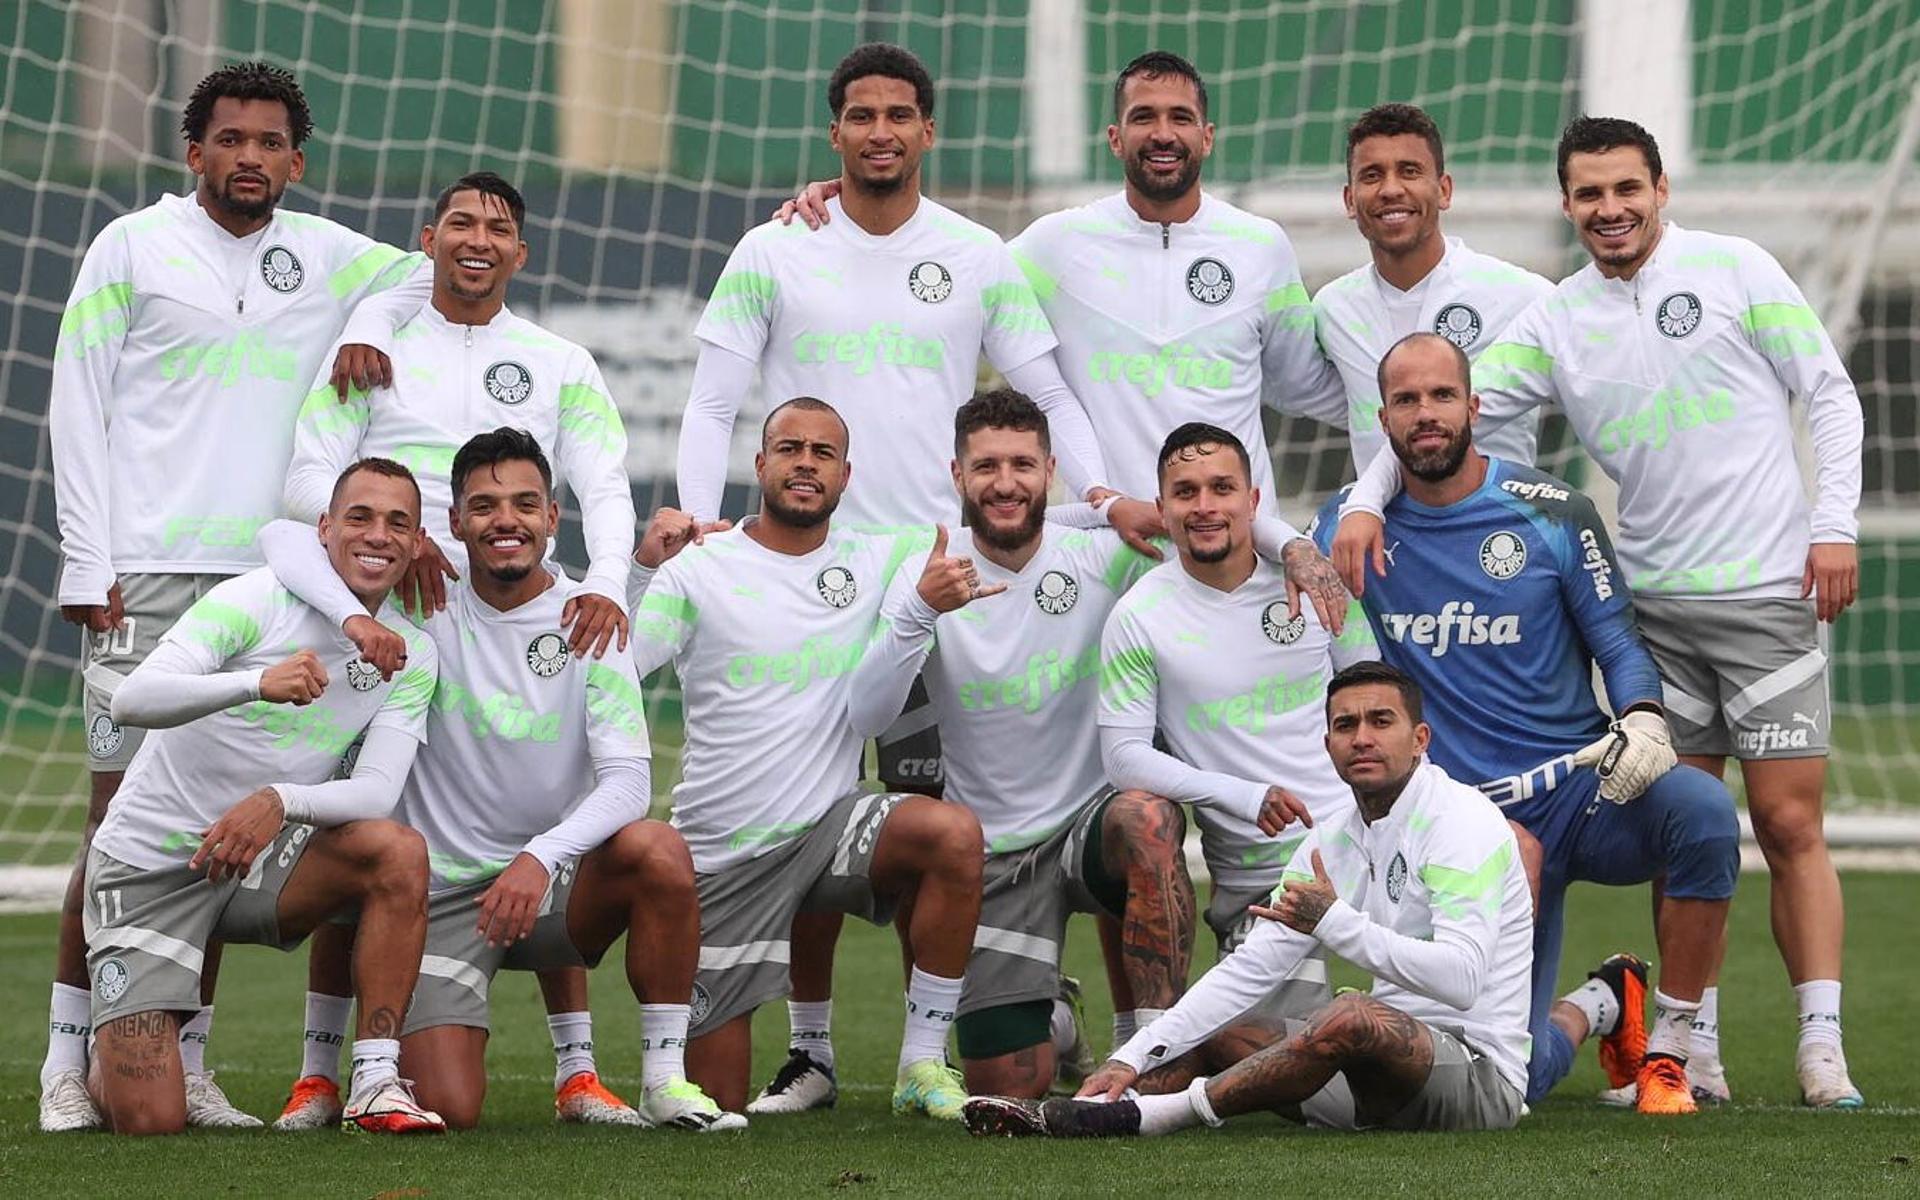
<point x="1166" y="1114"/>
<point x="1125" y="1025"/>
<point x="69" y="1021"/>
<point x="325" y="1034"/>
<point x="1671" y="1033"/>
<point x="1819" y="1011"/>
<point x="572" y="1044"/>
<point x="376" y="1061"/>
<point x="193" y="1042"/>
<point x="1202" y="1103"/>
<point x="932" y="1001"/>
<point x="1706" y="1028"/>
<point x="663" y="1043"/>
<point x="1597" y="1001"/>
<point x="810" y="1028"/>
<point x="1061" y="1029"/>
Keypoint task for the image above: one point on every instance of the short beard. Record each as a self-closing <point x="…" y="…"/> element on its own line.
<point x="885" y="187"/>
<point x="1437" y="465"/>
<point x="798" y="518"/>
<point x="1018" y="538"/>
<point x="509" y="574"/>
<point x="1156" y="191"/>
<point x="1377" y="802"/>
<point x="461" y="293"/>
<point x="251" y="210"/>
<point x="1211" y="556"/>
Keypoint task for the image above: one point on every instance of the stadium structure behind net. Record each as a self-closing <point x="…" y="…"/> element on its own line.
<point x="648" y="134"/>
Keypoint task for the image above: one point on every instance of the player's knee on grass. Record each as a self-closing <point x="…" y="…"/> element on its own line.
<point x="991" y="1041"/>
<point x="1700" y="834"/>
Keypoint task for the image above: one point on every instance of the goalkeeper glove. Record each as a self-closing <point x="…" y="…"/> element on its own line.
<point x="1637" y="750"/>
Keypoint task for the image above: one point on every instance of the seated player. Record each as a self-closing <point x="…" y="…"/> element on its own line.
<point x="764" y="624"/>
<point x="462" y="364"/>
<point x="532" y="794"/>
<point x="1420" y="884"/>
<point x="228" y="827"/>
<point x="1503" y="595"/>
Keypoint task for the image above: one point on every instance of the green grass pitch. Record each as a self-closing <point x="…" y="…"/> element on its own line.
<point x="1763" y="1146"/>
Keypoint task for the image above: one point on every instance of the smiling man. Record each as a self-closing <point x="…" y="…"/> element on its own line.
<point x="229" y="826"/>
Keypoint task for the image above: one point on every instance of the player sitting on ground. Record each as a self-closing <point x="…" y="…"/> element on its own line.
<point x="1420" y="884"/>
<point x="462" y="364"/>
<point x="764" y="624"/>
<point x="227" y="827"/>
<point x="1503" y="596"/>
<point x="532" y="794"/>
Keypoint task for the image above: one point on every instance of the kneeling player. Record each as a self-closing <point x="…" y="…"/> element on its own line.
<point x="764" y="624"/>
<point x="1420" y="884"/>
<point x="532" y="795"/>
<point x="226" y="828"/>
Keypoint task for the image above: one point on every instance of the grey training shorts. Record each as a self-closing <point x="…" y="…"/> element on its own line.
<point x="1746" y="678"/>
<point x="1464" y="1093"/>
<point x="457" y="967"/>
<point x="153" y="602"/>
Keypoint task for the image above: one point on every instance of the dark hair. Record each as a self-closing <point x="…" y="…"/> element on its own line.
<point x="1376" y="672"/>
<point x="487" y="184"/>
<point x="1001" y="408"/>
<point x="374" y="466"/>
<point x="1393" y="120"/>
<point x="1199" y="433"/>
<point x="1420" y="335"/>
<point x="1155" y="64"/>
<point x="504" y="444"/>
<point x="807" y="404"/>
<point x="888" y="61"/>
<point x="248" y="81"/>
<point x="1597" y="135"/>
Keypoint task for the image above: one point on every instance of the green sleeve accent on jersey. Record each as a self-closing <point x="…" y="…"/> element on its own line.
<point x="1455" y="891"/>
<point x="1778" y="316"/>
<point x="1291" y="876"/>
<point x="678" y="608"/>
<point x="367" y="267"/>
<point x="1125" y="568"/>
<point x="907" y="541"/>
<point x="1356" y="631"/>
<point x="1013" y="305"/>
<point x="613" y="697"/>
<point x="591" y="417"/>
<point x="1129" y="675"/>
<point x="1044" y="286"/>
<point x="1291" y="306"/>
<point x="97" y="316"/>
<point x="742" y="296"/>
<point x="1507" y="363"/>
<point x="411" y="693"/>
<point x="221" y="627"/>
<point x="323" y="412"/>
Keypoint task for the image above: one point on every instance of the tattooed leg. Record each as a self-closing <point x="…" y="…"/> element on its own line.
<point x="1024" y="1073"/>
<point x="1385" y="1054"/>
<point x="137" y="1073"/>
<point x="1233" y="1044"/>
<point x="1141" y="838"/>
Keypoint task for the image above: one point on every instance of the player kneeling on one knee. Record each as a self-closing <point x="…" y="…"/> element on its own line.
<point x="1423" y="887"/>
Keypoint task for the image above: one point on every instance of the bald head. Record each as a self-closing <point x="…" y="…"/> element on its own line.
<point x="1426" y="349"/>
<point x="1427" y="405"/>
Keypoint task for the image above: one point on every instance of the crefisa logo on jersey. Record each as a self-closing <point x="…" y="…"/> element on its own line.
<point x="1678" y="315"/>
<point x="282" y="270"/>
<point x="1459" y="324"/>
<point x="362" y="676"/>
<point x="509" y="382"/>
<point x="1056" y="592"/>
<point x="1209" y="281"/>
<point x="103" y="736"/>
<point x="1396" y="876"/>
<point x="1279" y="627"/>
<point x="548" y="655"/>
<point x="111" y="979"/>
<point x="930" y="282"/>
<point x="1503" y="554"/>
<point x="836" y="586"/>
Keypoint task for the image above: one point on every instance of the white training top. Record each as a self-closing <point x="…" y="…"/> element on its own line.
<point x="765" y="646"/>
<point x="1676" y="382"/>
<point x="888" y="330"/>
<point x="451" y="382"/>
<point x="1238" y="690"/>
<point x="1164" y="324"/>
<point x="184" y="778"/>
<point x="1433" y="903"/>
<point x="183" y="354"/>
<point x="1468" y="298"/>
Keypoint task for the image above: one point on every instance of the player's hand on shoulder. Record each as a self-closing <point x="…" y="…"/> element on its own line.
<point x="511" y="906"/>
<point x="810" y="205"/>
<point x="1832" y="577"/>
<point x="423" y="589"/>
<point x="1281" y="808"/>
<point x="1136" y="521"/>
<point x="1637" y="749"/>
<point x="359" y="367"/>
<point x="948" y="583"/>
<point x="1361" y="537"/>
<point x="298" y="678"/>
<point x="1108" y="1083"/>
<point x="1311" y="574"/>
<point x="380" y="647"/>
<point x="237" y="838"/>
<point x="671" y="531"/>
<point x="595" y="621"/>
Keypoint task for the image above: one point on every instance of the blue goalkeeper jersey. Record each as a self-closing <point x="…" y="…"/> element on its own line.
<point x="1499" y="605"/>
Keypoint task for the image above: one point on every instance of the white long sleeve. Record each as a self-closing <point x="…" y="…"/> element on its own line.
<point x="622" y="792"/>
<point x="293" y="552"/>
<point x="370" y="792"/>
<point x="92" y="331"/>
<point x="1133" y="764"/>
<point x="1450" y="968"/>
<point x="1230" y="987"/>
<point x="168" y="689"/>
<point x="721" y="380"/>
<point x="374" y="319"/>
<point x="1071" y="431"/>
<point x="591" y="452"/>
<point x="886" y="672"/>
<point x="1375" y="488"/>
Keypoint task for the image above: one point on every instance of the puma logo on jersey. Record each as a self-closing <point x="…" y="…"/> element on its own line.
<point x="1456" y="624"/>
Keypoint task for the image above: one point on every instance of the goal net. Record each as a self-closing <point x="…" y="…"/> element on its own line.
<point x="648" y="135"/>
